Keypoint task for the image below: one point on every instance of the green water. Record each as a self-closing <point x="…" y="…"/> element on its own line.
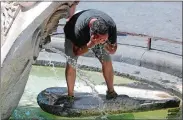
<point x="38" y="114"/>
<point x="59" y="73"/>
<point x="43" y="77"/>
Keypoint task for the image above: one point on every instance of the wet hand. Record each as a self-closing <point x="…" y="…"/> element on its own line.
<point x="96" y="41"/>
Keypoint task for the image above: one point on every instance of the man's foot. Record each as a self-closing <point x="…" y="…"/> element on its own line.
<point x="69" y="102"/>
<point x="111" y="95"/>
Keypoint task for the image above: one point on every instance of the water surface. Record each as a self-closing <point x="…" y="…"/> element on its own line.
<point x="42" y="77"/>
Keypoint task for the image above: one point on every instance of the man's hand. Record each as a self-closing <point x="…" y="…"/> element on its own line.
<point x="94" y="41"/>
<point x="110" y="48"/>
<point x="78" y="51"/>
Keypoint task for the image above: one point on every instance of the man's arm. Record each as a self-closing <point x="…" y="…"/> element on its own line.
<point x="111" y="48"/>
<point x="78" y="51"/>
<point x="111" y="44"/>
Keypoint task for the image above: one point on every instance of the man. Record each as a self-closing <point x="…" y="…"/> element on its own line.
<point x="95" y="30"/>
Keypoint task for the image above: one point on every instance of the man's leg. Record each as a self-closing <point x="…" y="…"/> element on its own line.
<point x="70" y="71"/>
<point x="107" y="70"/>
<point x="70" y="74"/>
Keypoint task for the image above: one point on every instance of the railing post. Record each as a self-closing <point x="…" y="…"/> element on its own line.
<point x="149" y="44"/>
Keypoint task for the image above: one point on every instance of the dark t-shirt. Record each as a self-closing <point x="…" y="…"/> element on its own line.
<point x="77" y="28"/>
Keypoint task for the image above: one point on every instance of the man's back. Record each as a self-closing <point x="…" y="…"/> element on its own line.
<point x="77" y="28"/>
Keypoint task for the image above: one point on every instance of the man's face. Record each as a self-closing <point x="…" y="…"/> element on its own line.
<point x="101" y="38"/>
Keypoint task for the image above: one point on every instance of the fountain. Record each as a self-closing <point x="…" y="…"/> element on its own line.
<point x="49" y="97"/>
<point x="25" y="26"/>
<point x="23" y="39"/>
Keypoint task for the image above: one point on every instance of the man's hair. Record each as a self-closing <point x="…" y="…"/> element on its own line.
<point x="99" y="27"/>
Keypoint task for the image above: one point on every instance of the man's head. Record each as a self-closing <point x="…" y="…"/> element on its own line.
<point x="99" y="30"/>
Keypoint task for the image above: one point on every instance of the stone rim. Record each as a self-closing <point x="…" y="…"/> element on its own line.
<point x="141" y="105"/>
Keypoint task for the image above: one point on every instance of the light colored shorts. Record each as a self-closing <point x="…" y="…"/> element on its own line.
<point x="98" y="50"/>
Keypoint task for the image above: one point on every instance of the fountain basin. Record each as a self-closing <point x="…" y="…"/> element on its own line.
<point x="143" y="75"/>
<point x="86" y="103"/>
<point x="53" y="77"/>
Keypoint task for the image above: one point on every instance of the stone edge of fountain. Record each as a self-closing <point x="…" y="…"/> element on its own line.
<point x="120" y="69"/>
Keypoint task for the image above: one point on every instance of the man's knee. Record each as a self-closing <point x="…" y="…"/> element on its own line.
<point x="72" y="61"/>
<point x="70" y="69"/>
<point x="105" y="58"/>
<point x="101" y="53"/>
<point x="106" y="63"/>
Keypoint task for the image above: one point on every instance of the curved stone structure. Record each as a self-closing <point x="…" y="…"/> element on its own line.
<point x="163" y="81"/>
<point x="160" y="64"/>
<point x="52" y="100"/>
<point x="25" y="27"/>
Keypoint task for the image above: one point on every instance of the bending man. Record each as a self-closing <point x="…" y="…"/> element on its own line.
<point x="95" y="30"/>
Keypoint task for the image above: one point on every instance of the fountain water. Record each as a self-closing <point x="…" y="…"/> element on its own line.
<point x="82" y="76"/>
